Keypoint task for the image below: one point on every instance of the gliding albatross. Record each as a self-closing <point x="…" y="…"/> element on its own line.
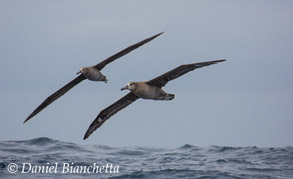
<point x="91" y="73"/>
<point x="146" y="90"/>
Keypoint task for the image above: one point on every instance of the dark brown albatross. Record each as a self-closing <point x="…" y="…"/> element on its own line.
<point x="146" y="90"/>
<point x="91" y="73"/>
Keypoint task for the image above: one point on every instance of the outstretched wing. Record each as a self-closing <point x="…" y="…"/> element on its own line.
<point x="56" y="95"/>
<point x="162" y="80"/>
<point x="80" y="78"/>
<point x="110" y="111"/>
<point x="102" y="64"/>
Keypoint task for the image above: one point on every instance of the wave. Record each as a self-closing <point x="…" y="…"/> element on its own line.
<point x="187" y="161"/>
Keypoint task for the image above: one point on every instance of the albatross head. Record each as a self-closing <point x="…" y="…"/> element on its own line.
<point x="83" y="70"/>
<point x="131" y="86"/>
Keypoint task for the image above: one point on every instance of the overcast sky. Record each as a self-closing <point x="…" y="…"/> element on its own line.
<point x="245" y="101"/>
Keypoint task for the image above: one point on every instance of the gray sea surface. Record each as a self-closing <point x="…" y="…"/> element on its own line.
<point x="48" y="158"/>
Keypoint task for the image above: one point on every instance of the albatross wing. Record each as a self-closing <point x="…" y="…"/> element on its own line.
<point x="56" y="95"/>
<point x="110" y="111"/>
<point x="163" y="79"/>
<point x="102" y="64"/>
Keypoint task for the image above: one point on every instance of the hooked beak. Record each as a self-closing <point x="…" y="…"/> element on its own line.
<point x="124" y="88"/>
<point x="106" y="81"/>
<point x="79" y="72"/>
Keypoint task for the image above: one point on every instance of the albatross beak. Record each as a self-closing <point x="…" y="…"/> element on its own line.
<point x="79" y="72"/>
<point x="124" y="88"/>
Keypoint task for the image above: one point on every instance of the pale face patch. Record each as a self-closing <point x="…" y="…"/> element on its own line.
<point x="131" y="86"/>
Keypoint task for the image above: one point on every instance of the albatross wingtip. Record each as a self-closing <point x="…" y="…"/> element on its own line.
<point x="216" y="61"/>
<point x="85" y="137"/>
<point x="161" y="32"/>
<point x="222" y="60"/>
<point x="28" y="118"/>
<point x="88" y="132"/>
<point x="155" y="36"/>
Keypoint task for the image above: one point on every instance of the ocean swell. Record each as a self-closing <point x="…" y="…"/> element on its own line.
<point x="45" y="157"/>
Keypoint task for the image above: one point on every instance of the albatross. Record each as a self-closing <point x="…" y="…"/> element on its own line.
<point x="146" y="90"/>
<point x="92" y="73"/>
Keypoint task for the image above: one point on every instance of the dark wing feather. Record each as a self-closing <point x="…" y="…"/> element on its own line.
<point x="102" y="64"/>
<point x="162" y="80"/>
<point x="56" y="95"/>
<point x="110" y="111"/>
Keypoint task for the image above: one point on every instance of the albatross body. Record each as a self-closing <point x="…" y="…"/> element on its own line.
<point x="92" y="73"/>
<point x="146" y="90"/>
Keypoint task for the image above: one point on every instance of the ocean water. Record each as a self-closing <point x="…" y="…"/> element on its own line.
<point x="48" y="158"/>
